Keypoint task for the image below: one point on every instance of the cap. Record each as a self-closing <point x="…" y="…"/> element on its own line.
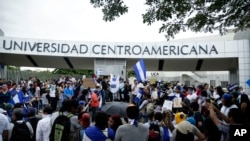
<point x="81" y="102"/>
<point x="227" y="97"/>
<point x="225" y="90"/>
<point x="85" y="119"/>
<point x="140" y="85"/>
<point x="179" y="117"/>
<point x="191" y="120"/>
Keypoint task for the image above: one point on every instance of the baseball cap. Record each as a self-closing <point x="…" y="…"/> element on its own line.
<point x="227" y="97"/>
<point x="191" y="120"/>
<point x="81" y="102"/>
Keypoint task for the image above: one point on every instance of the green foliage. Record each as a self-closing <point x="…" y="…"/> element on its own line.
<point x="181" y="15"/>
<point x="73" y="72"/>
<point x="111" y="8"/>
<point x="13" y="68"/>
<point x="131" y="73"/>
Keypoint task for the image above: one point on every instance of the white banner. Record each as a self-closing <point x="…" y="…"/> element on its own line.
<point x="114" y="83"/>
<point x="167" y="105"/>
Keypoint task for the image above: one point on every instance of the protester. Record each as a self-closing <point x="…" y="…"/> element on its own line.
<point x="114" y="122"/>
<point x="69" y="107"/>
<point x="44" y="125"/>
<point x="94" y="103"/>
<point x="33" y="120"/>
<point x="19" y="129"/>
<point x="133" y="130"/>
<point x="234" y="119"/>
<point x="85" y="123"/>
<point x="99" y="132"/>
<point x="184" y="130"/>
<point x="4" y="128"/>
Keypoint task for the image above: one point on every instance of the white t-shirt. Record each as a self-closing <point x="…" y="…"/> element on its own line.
<point x="37" y="91"/>
<point x="224" y="110"/>
<point x="52" y="92"/>
<point x="136" y="90"/>
<point x="4" y="124"/>
<point x="192" y="97"/>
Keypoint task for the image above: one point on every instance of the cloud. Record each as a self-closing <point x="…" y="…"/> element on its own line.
<point x="76" y="20"/>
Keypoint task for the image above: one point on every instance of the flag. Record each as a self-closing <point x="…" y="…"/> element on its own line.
<point x="140" y="71"/>
<point x="232" y="87"/>
<point x="17" y="98"/>
<point x="248" y="82"/>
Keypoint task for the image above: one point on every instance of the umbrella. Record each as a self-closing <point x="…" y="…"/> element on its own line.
<point x="118" y="108"/>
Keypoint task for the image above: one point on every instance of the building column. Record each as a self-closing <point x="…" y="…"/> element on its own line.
<point x="244" y="66"/>
<point x="233" y="76"/>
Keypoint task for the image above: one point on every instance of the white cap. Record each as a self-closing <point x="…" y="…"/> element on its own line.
<point x="140" y="85"/>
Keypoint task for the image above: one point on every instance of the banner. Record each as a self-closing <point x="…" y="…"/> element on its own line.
<point x="167" y="105"/>
<point x="114" y="83"/>
<point x="177" y="102"/>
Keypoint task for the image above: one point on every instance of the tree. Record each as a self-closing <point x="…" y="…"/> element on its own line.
<point x="182" y="15"/>
<point x="73" y="72"/>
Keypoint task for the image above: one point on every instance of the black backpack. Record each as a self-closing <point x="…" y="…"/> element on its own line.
<point x="154" y="132"/>
<point x="61" y="128"/>
<point x="184" y="137"/>
<point x="33" y="121"/>
<point x="20" y="132"/>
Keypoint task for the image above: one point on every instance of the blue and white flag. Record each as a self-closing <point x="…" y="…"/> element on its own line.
<point x="248" y="82"/>
<point x="232" y="87"/>
<point x="17" y="98"/>
<point x="140" y="71"/>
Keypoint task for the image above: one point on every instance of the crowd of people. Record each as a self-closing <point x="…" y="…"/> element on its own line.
<point x="66" y="110"/>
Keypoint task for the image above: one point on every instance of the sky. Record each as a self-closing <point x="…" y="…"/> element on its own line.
<point x="77" y="20"/>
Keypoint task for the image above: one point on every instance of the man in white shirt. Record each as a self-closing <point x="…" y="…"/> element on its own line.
<point x="44" y="125"/>
<point x="52" y="94"/>
<point x="4" y="127"/>
<point x="135" y="89"/>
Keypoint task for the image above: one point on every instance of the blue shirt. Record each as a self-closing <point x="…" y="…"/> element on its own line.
<point x="68" y="91"/>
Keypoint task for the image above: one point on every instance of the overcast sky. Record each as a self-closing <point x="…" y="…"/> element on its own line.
<point x="76" y="20"/>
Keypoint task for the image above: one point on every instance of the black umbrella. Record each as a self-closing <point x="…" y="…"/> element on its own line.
<point x="118" y="108"/>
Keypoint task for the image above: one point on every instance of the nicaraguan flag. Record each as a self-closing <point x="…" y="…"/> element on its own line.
<point x="232" y="87"/>
<point x="140" y="70"/>
<point x="17" y="98"/>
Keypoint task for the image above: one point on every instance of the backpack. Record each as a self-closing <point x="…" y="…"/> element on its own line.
<point x="60" y="130"/>
<point x="154" y="132"/>
<point x="75" y="136"/>
<point x="20" y="132"/>
<point x="33" y="121"/>
<point x="184" y="137"/>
